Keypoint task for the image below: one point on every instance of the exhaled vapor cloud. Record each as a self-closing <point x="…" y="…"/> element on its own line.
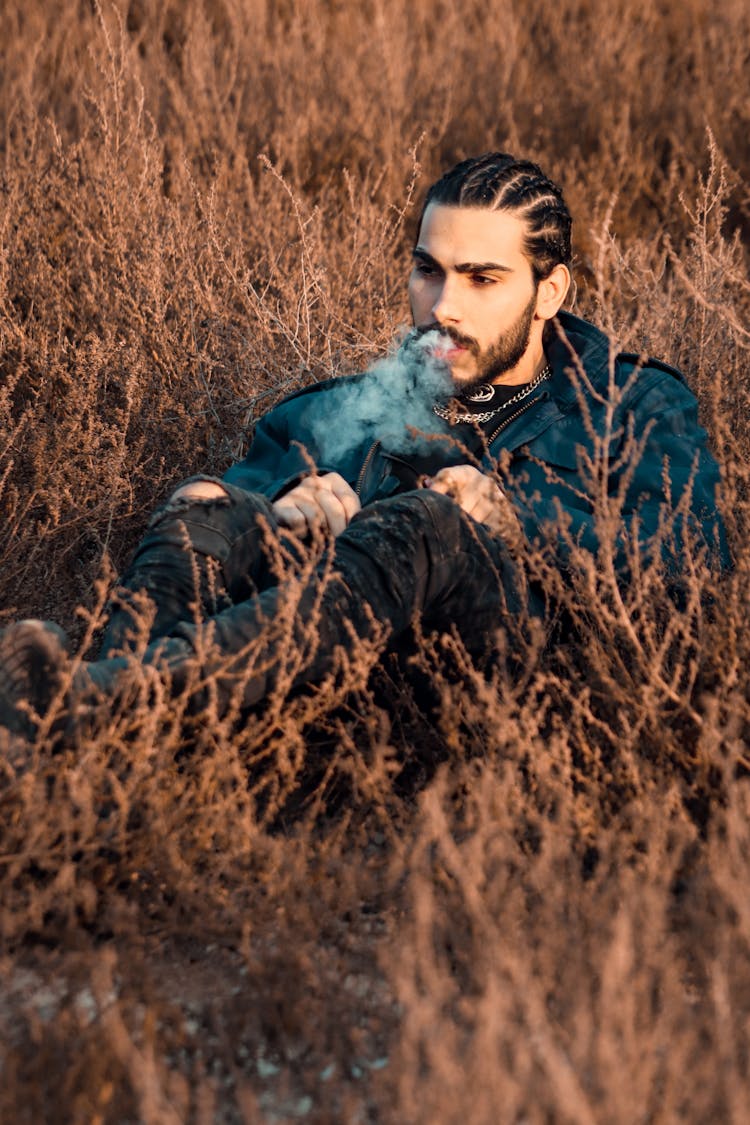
<point x="391" y="401"/>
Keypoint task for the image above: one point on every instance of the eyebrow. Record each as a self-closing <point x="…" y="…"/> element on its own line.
<point x="464" y="267"/>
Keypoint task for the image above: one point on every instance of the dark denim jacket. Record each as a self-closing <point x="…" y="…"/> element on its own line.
<point x="607" y="442"/>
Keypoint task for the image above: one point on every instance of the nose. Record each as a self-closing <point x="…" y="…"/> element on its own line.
<point x="445" y="309"/>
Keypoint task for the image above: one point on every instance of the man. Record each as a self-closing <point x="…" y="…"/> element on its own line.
<point x="539" y="441"/>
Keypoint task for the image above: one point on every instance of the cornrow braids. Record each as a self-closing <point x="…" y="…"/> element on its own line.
<point x="500" y="182"/>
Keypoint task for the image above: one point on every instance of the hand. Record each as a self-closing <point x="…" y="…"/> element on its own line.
<point x="481" y="498"/>
<point x="324" y="503"/>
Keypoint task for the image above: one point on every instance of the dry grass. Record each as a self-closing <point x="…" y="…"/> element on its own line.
<point x="413" y="895"/>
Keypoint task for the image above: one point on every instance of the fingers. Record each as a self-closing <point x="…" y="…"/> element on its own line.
<point x="452" y="482"/>
<point x="332" y="513"/>
<point x="443" y="486"/>
<point x="486" y="511"/>
<point x="343" y="492"/>
<point x="477" y="494"/>
<point x="466" y="485"/>
<point x="319" y="502"/>
<point x="297" y="514"/>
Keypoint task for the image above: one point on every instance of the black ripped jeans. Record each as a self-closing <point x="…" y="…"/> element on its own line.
<point x="223" y="571"/>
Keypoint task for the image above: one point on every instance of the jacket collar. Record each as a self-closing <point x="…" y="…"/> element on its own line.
<point x="573" y="341"/>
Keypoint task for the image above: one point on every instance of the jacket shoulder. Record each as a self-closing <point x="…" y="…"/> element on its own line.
<point x="628" y="362"/>
<point x="314" y="388"/>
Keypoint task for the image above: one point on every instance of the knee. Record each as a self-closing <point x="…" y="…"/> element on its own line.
<point x="441" y="508"/>
<point x="207" y="517"/>
<point x="420" y="509"/>
<point x="407" y="522"/>
<point x="198" y="515"/>
<point x="199" y="490"/>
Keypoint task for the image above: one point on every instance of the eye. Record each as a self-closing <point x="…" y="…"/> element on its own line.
<point x="425" y="269"/>
<point x="482" y="279"/>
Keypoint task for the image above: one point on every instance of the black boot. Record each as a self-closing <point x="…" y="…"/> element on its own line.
<point x="36" y="674"/>
<point x="34" y="656"/>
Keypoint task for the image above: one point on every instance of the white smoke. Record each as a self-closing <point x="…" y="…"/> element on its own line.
<point x="392" y="401"/>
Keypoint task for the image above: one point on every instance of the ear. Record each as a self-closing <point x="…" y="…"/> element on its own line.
<point x="551" y="292"/>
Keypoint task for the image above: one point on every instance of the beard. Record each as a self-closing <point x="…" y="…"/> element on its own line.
<point x="507" y="351"/>
<point x="501" y="356"/>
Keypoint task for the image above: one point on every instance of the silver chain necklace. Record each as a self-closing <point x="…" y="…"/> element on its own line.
<point x="481" y="394"/>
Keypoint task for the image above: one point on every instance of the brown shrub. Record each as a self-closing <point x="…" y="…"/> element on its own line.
<point x="523" y="902"/>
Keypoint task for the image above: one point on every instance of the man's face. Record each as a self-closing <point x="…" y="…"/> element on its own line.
<point x="472" y="281"/>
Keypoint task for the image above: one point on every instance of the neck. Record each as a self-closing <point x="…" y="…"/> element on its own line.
<point x="528" y="367"/>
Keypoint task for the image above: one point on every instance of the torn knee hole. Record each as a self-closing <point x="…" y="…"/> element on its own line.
<point x="199" y="490"/>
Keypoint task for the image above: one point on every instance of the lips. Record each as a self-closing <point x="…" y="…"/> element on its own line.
<point x="441" y="346"/>
<point x="447" y="351"/>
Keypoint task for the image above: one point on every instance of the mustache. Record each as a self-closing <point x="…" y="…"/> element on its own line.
<point x="458" y="338"/>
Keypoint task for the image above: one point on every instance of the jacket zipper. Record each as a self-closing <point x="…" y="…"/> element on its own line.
<point x="375" y="444"/>
<point x="363" y="470"/>
<point x="506" y="422"/>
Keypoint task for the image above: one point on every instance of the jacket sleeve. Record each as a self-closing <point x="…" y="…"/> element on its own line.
<point x="655" y="495"/>
<point x="275" y="461"/>
<point x="669" y="487"/>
